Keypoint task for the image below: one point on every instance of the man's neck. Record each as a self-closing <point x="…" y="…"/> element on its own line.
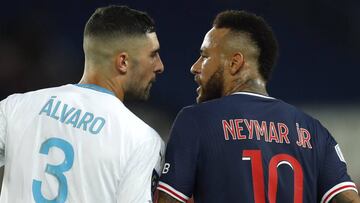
<point x="257" y="86"/>
<point x="103" y="81"/>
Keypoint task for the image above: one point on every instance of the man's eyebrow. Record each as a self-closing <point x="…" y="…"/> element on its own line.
<point x="156" y="50"/>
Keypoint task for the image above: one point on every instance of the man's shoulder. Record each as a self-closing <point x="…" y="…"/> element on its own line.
<point x="134" y="126"/>
<point x="227" y="104"/>
<point x="28" y="96"/>
<point x="298" y="112"/>
<point x="201" y="107"/>
<point x="210" y="107"/>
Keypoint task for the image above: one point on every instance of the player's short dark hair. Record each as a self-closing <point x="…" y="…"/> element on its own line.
<point x="259" y="31"/>
<point x="114" y="20"/>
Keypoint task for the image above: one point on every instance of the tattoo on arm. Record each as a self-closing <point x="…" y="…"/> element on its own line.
<point x="165" y="198"/>
<point x="348" y="196"/>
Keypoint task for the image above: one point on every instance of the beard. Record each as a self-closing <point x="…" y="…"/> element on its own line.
<point x="135" y="89"/>
<point x="213" y="88"/>
<point x="137" y="93"/>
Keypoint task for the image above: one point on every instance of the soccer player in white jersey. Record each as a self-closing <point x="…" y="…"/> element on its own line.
<point x="79" y="143"/>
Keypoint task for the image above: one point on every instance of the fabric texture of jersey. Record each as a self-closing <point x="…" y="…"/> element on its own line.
<point x="251" y="148"/>
<point x="75" y="143"/>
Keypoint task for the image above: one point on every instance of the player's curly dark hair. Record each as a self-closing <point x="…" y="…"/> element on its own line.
<point x="260" y="32"/>
<point x="113" y="20"/>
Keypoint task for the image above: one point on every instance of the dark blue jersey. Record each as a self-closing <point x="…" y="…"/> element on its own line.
<point x="251" y="148"/>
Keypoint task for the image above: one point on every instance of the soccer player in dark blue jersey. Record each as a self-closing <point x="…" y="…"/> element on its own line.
<point x="241" y="145"/>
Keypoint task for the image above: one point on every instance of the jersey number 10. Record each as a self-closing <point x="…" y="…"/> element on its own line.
<point x="258" y="175"/>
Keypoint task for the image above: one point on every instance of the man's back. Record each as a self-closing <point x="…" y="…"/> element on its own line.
<point x="75" y="143"/>
<point x="252" y="148"/>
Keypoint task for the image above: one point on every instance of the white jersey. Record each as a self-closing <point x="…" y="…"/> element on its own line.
<point x="76" y="143"/>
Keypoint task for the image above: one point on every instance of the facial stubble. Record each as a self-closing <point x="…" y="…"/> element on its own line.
<point x="214" y="87"/>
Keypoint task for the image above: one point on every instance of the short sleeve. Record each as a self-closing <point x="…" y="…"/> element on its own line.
<point x="2" y="133"/>
<point x="333" y="176"/>
<point x="142" y="172"/>
<point x="178" y="176"/>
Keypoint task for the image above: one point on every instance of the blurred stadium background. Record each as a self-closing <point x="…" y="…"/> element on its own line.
<point x="318" y="69"/>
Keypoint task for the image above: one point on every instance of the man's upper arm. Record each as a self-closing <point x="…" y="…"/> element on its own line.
<point x="142" y="172"/>
<point x="2" y="141"/>
<point x="165" y="198"/>
<point x="348" y="196"/>
<point x="333" y="176"/>
<point x="178" y="176"/>
<point x="2" y="132"/>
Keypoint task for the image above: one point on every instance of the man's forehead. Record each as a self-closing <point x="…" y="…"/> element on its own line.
<point x="213" y="37"/>
<point x="152" y="40"/>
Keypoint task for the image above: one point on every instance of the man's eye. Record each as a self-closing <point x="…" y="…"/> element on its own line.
<point x="154" y="54"/>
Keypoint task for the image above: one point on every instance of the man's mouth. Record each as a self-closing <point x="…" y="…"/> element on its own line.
<point x="197" y="79"/>
<point x="153" y="80"/>
<point x="198" y="89"/>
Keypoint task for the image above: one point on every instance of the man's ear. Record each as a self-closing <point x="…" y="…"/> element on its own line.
<point x="237" y="62"/>
<point x="122" y="62"/>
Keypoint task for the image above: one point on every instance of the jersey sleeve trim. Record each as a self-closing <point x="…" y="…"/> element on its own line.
<point x="172" y="192"/>
<point x="337" y="189"/>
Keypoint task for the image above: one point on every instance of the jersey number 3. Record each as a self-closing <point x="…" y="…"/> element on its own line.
<point x="258" y="175"/>
<point x="55" y="170"/>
